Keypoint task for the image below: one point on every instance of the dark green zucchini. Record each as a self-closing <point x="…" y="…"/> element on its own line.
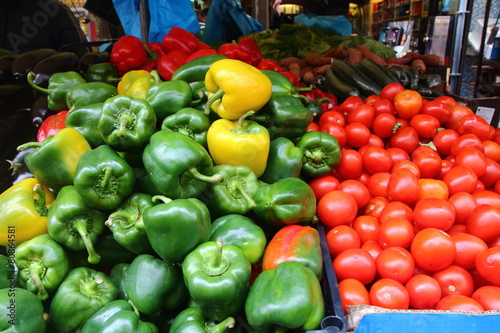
<point x="338" y="87"/>
<point x="356" y="78"/>
<point x="412" y="74"/>
<point x="431" y="81"/>
<point x="377" y="73"/>
<point x="423" y="90"/>
<point x="400" y="74"/>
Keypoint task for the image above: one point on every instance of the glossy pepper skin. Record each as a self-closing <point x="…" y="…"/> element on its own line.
<point x="103" y="72"/>
<point x="42" y="264"/>
<point x="129" y="78"/>
<point x="235" y="52"/>
<point x="117" y="276"/>
<point x="184" y="222"/>
<point x="127" y="53"/>
<point x="59" y="85"/>
<point x="139" y="88"/>
<point x="181" y="40"/>
<point x="235" y="88"/>
<point x="217" y="278"/>
<point x="233" y="195"/>
<point x="282" y="85"/>
<point x="50" y="126"/>
<point x="189" y="121"/>
<point x="23" y="311"/>
<point x="196" y="69"/>
<point x="284" y="161"/>
<point x="24" y="208"/>
<point x="82" y="293"/>
<point x="192" y="320"/>
<point x="8" y="271"/>
<point x="85" y="120"/>
<point x="103" y="179"/>
<point x="287" y="201"/>
<point x="89" y="93"/>
<point x="174" y="162"/>
<point x="287" y="297"/>
<point x="118" y="316"/>
<point x="126" y="123"/>
<point x="242" y="232"/>
<point x="248" y="44"/>
<point x="127" y="225"/>
<point x="152" y="283"/>
<point x="239" y="142"/>
<point x="321" y="153"/>
<point x="169" y="63"/>
<point x="168" y="97"/>
<point x="53" y="161"/>
<point x="74" y="224"/>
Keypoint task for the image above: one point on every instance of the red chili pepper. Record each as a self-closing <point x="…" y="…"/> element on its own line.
<point x="128" y="53"/>
<point x="51" y="125"/>
<point x="201" y="53"/>
<point x="233" y="51"/>
<point x="154" y="51"/>
<point x="269" y="64"/>
<point x="249" y="45"/>
<point x="179" y="39"/>
<point x="169" y="63"/>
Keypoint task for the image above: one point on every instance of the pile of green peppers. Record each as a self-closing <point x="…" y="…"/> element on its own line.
<point x="147" y="234"/>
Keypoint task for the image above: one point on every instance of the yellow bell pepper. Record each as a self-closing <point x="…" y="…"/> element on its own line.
<point x="235" y="87"/>
<point x="129" y="78"/>
<point x="239" y="142"/>
<point x="140" y="87"/>
<point x="24" y="208"/>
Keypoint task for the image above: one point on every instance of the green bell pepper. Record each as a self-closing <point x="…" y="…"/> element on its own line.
<point x="127" y="225"/>
<point x="85" y="119"/>
<point x="117" y="317"/>
<point x="189" y="121"/>
<point x="59" y="84"/>
<point x="152" y="283"/>
<point x="103" y="179"/>
<point x="110" y="251"/>
<point x="192" y="320"/>
<point x="196" y="69"/>
<point x="322" y="153"/>
<point x="8" y="271"/>
<point x="200" y="97"/>
<point x="282" y="84"/>
<point x="168" y="97"/>
<point x="89" y="93"/>
<point x="284" y="116"/>
<point x="22" y="311"/>
<point x="74" y="224"/>
<point x="174" y="161"/>
<point x="53" y="161"/>
<point x="42" y="265"/>
<point x="126" y="123"/>
<point x="284" y="160"/>
<point x="234" y="194"/>
<point x="83" y="292"/>
<point x="175" y="227"/>
<point x="103" y="72"/>
<point x="217" y="278"/>
<point x="117" y="276"/>
<point x="242" y="232"/>
<point x="287" y="201"/>
<point x="285" y="298"/>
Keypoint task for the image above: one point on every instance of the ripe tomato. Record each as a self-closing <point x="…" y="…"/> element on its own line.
<point x="402" y="186"/>
<point x="350" y="165"/>
<point x="331" y="116"/>
<point x="428" y="162"/>
<point x="492" y="173"/>
<point x="434" y="213"/>
<point x="425" y="124"/>
<point x="371" y="99"/>
<point x="454" y="280"/>
<point x="467" y="248"/>
<point x="366" y="227"/>
<point x="487" y="197"/>
<point x="472" y="158"/>
<point x="389" y="294"/>
<point x="376" y="141"/>
<point x="488" y="297"/>
<point x="377" y="184"/>
<point x="395" y="263"/>
<point x="437" y="109"/>
<point x="376" y="206"/>
<point x="355" y="264"/>
<point x="484" y="222"/>
<point x="398" y="154"/>
<point x="376" y="159"/>
<point x="342" y="238"/>
<point x="444" y="139"/>
<point x="373" y="247"/>
<point x="358" y="190"/>
<point x="353" y="292"/>
<point x="446" y="166"/>
<point x="460" y="179"/>
<point x="464" y="203"/>
<point x="446" y="100"/>
<point x="391" y="90"/>
<point x="313" y="126"/>
<point x="432" y="188"/>
<point x="429" y="242"/>
<point x="407" y="103"/>
<point x="323" y="184"/>
<point x="363" y="114"/>
<point x="488" y="265"/>
<point x="336" y="130"/>
<point x="395" y="232"/>
<point x="337" y="208"/>
<point x="424" y="291"/>
<point x="457" y="112"/>
<point x="458" y="303"/>
<point x="396" y="209"/>
<point x="357" y="134"/>
<point x="475" y="124"/>
<point x="407" y="164"/>
<point x="492" y="150"/>
<point x="457" y="229"/>
<point x="405" y="138"/>
<point x="383" y="105"/>
<point x="350" y="103"/>
<point x="466" y="141"/>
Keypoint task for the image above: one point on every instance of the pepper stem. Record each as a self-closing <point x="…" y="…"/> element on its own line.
<point x="31" y="77"/>
<point x="162" y="198"/>
<point x="106" y="179"/>
<point x="28" y="145"/>
<point x="127" y="217"/>
<point x="316" y="156"/>
<point x="217" y="95"/>
<point x="40" y="203"/>
<point x="194" y="173"/>
<point x="242" y="119"/>
<point x="240" y="188"/>
<point x="221" y="327"/>
<point x="91" y="287"/>
<point x="216" y="264"/>
<point x="36" y="269"/>
<point x="81" y="227"/>
<point x="136" y="311"/>
<point x="124" y="120"/>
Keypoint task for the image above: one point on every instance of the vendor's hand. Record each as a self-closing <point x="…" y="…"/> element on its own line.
<point x="276" y="6"/>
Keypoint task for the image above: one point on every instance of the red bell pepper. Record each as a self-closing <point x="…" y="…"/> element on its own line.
<point x="249" y="45"/>
<point x="269" y="64"/>
<point x="179" y="39"/>
<point x="127" y="53"/>
<point x="293" y="78"/>
<point x="201" y="53"/>
<point x="233" y="51"/>
<point x="202" y="45"/>
<point x="154" y="51"/>
<point x="51" y="125"/>
<point x="169" y="63"/>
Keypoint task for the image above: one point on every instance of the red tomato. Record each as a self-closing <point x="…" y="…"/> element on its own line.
<point x="457" y="112"/>
<point x="357" y="134"/>
<point x="424" y="291"/>
<point x="429" y="242"/>
<point x="350" y="165"/>
<point x="461" y="179"/>
<point x="475" y="124"/>
<point x="446" y="100"/>
<point x="342" y="238"/>
<point x="331" y="116"/>
<point x="488" y="265"/>
<point x="395" y="232"/>
<point x="376" y="141"/>
<point x="438" y="110"/>
<point x="395" y="263"/>
<point x="487" y="197"/>
<point x="358" y="190"/>
<point x="457" y="229"/>
<point x="337" y="208"/>
<point x="376" y="159"/>
<point x="458" y="303"/>
<point x="484" y="222"/>
<point x="407" y="164"/>
<point x="377" y="184"/>
<point x="432" y="188"/>
<point x="353" y="292"/>
<point x="434" y="213"/>
<point x="492" y="173"/>
<point x="363" y="114"/>
<point x="323" y="184"/>
<point x="398" y="154"/>
<point x="402" y="186"/>
<point x="366" y="227"/>
<point x="444" y="139"/>
<point x="454" y="280"/>
<point x="391" y="90"/>
<point x="466" y="141"/>
<point x="376" y="206"/>
<point x="488" y="297"/>
<point x="446" y="166"/>
<point x="389" y="294"/>
<point x="335" y="130"/>
<point x="464" y="203"/>
<point x="428" y="162"/>
<point x="492" y="150"/>
<point x="371" y="99"/>
<point x="350" y="103"/>
<point x="405" y="138"/>
<point x="355" y="264"/>
<point x="312" y="127"/>
<point x="425" y="124"/>
<point x="407" y="103"/>
<point x="383" y="105"/>
<point x="396" y="209"/>
<point x="373" y="247"/>
<point x="467" y="248"/>
<point x="473" y="159"/>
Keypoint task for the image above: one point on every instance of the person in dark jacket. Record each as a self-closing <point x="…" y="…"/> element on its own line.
<point x="32" y="24"/>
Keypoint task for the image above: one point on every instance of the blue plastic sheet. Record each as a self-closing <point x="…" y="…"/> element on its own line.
<point x="332" y="25"/>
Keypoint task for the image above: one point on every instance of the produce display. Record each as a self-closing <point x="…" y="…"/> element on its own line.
<point x="177" y="186"/>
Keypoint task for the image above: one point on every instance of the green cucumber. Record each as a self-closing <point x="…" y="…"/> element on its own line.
<point x="338" y="87"/>
<point x="431" y="81"/>
<point x="377" y="73"/>
<point x="356" y="78"/>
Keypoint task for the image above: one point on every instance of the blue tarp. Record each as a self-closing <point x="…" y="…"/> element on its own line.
<point x="332" y="25"/>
